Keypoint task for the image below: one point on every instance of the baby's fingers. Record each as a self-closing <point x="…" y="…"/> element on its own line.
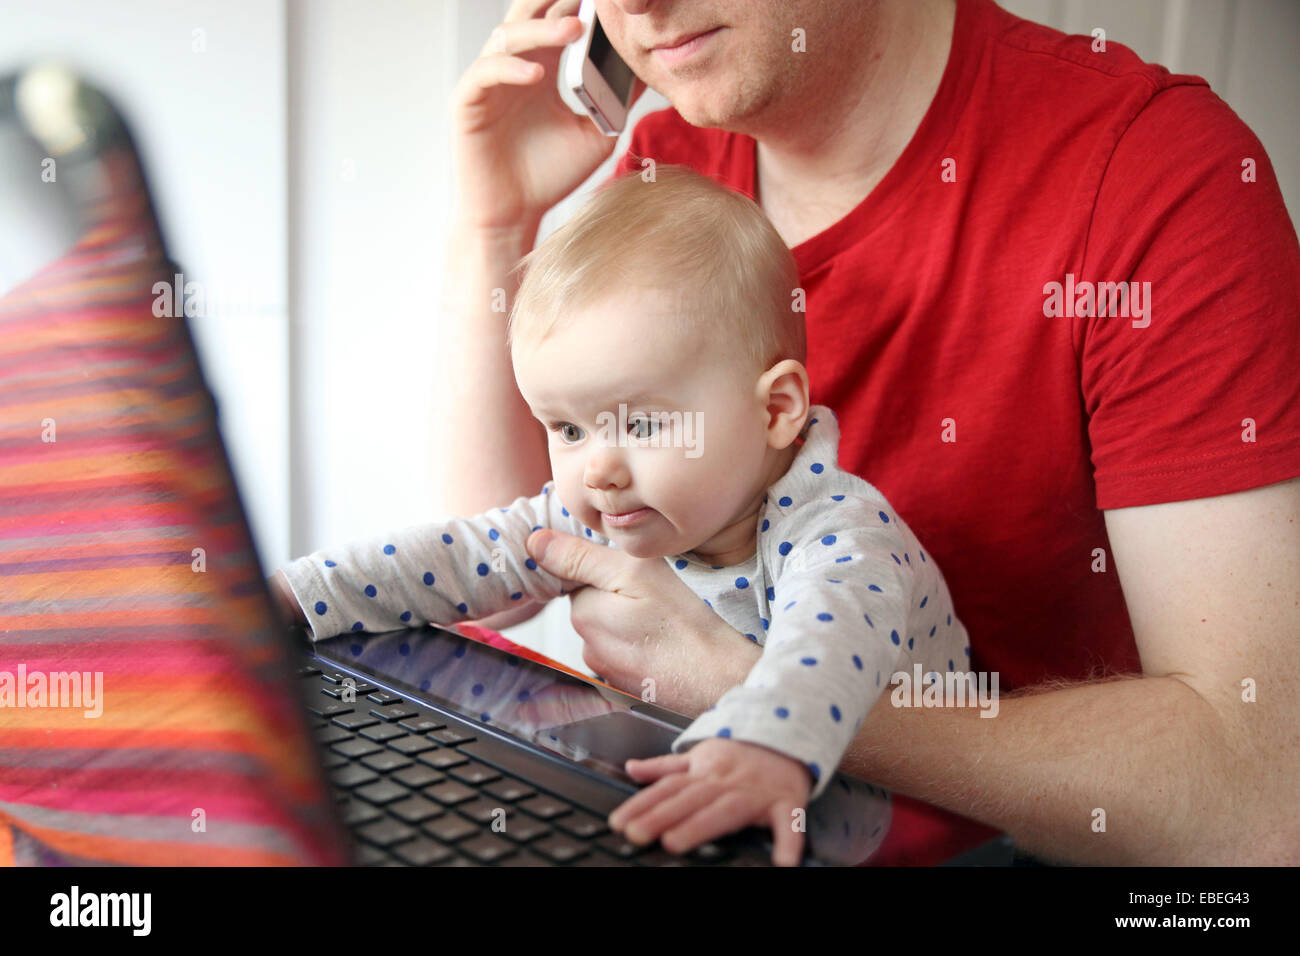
<point x="667" y="813"/>
<point x="652" y="768"/>
<point x="728" y="813"/>
<point x="787" y="842"/>
<point x="648" y="798"/>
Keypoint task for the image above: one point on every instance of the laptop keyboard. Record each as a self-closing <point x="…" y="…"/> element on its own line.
<point x="415" y="790"/>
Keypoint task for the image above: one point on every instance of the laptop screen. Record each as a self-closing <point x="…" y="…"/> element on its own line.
<point x="591" y="725"/>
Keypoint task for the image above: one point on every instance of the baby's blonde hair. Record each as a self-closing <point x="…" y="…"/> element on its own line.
<point x="683" y="233"/>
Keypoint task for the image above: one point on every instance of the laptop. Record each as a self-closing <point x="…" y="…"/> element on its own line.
<point x="428" y="747"/>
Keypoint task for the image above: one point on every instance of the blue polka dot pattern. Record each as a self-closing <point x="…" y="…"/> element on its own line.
<point x="406" y="615"/>
<point x="358" y="626"/>
<point x="824" y="616"/>
<point x="370" y="590"/>
<point x="857" y="662"/>
<point x="320" y="607"/>
<point x="742" y="583"/>
<point x="784" y="501"/>
<point x="679" y="563"/>
<point x="448" y="539"/>
<point x="782" y="712"/>
<point x="389" y="549"/>
<point x="808" y="661"/>
<point x="330" y="564"/>
<point x="816" y="468"/>
<point x="766" y="524"/>
<point x="872" y="587"/>
<point x="883" y="517"/>
<point x="784" y="548"/>
<point x="837" y="497"/>
<point x="428" y="577"/>
<point x="867" y="618"/>
<point x="771" y="594"/>
<point x="828" y="540"/>
<point x="564" y="511"/>
<point x="724" y="732"/>
<point x="530" y="564"/>
<point x="493" y="533"/>
<point x="462" y="607"/>
<point x="835" y="713"/>
<point x="788" y="606"/>
<point x="893" y="636"/>
<point x="482" y="569"/>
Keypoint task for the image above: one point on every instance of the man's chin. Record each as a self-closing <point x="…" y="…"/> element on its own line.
<point x="703" y="112"/>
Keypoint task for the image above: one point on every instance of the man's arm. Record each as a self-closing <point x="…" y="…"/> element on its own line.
<point x="508" y="458"/>
<point x="1197" y="761"/>
<point x="503" y="454"/>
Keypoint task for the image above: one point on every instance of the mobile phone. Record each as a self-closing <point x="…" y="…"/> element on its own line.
<point x="593" y="78"/>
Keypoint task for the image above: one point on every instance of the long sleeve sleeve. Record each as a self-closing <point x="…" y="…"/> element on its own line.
<point x="838" y="630"/>
<point x="457" y="569"/>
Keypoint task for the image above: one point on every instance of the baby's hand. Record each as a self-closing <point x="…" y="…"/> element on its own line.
<point x="716" y="787"/>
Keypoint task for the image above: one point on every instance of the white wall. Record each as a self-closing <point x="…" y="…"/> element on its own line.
<point x="303" y="157"/>
<point x="210" y="124"/>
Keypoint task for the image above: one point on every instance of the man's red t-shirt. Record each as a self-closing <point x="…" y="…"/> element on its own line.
<point x="926" y="322"/>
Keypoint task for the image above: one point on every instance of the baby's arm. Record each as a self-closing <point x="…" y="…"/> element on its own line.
<point x="837" y="632"/>
<point x="459" y="569"/>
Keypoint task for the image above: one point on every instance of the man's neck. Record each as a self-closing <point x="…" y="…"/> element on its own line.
<point x="819" y="159"/>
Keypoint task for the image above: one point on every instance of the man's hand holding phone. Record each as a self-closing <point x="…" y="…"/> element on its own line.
<point x="519" y="149"/>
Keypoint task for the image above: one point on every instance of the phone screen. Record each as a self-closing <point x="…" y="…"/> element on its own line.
<point x="617" y="74"/>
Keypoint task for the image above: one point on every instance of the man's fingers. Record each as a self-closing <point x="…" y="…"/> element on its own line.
<point x="527" y="35"/>
<point x="787" y="842"/>
<point x="491" y="71"/>
<point x="526" y="9"/>
<point x="571" y="558"/>
<point x="563" y="8"/>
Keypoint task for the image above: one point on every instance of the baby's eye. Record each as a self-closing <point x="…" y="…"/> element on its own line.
<point x="569" y="433"/>
<point x="642" y="426"/>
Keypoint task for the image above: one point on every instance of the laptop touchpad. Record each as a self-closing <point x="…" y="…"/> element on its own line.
<point x="615" y="737"/>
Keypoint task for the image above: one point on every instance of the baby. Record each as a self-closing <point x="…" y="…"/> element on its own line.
<point x="658" y="337"/>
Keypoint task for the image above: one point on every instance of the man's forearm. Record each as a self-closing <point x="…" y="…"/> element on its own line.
<point x="501" y="451"/>
<point x="1175" y="786"/>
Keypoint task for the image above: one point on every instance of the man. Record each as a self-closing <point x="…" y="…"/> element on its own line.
<point x="1052" y="295"/>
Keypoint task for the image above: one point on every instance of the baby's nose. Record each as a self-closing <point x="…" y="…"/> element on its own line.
<point x="607" y="467"/>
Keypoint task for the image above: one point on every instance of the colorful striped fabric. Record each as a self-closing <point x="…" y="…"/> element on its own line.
<point x="123" y="554"/>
